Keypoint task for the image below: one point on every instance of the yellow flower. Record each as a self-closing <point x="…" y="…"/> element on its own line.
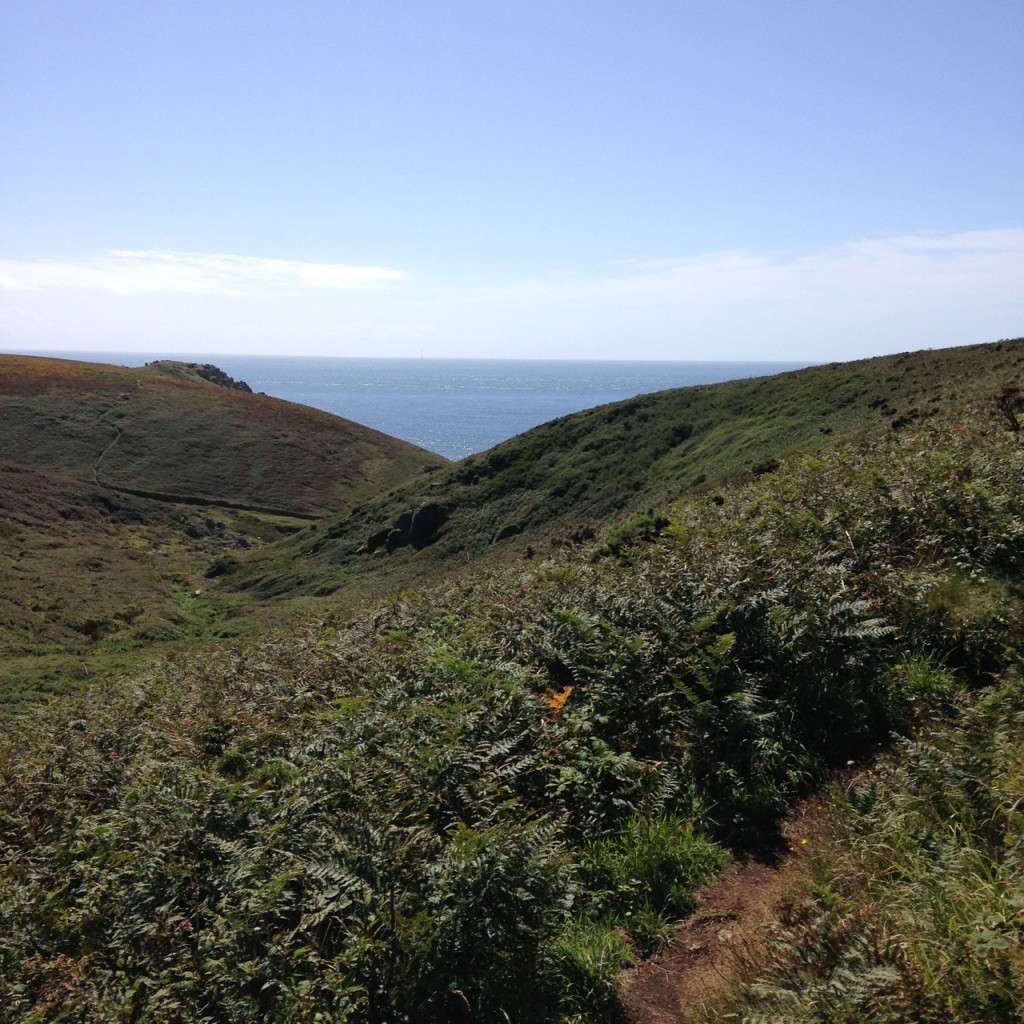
<point x="556" y="701"/>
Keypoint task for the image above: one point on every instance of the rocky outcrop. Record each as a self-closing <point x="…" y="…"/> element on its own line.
<point x="215" y="375"/>
<point x="205" y="371"/>
<point x="413" y="528"/>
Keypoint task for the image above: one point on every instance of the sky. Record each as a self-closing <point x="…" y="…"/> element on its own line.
<point x="574" y="179"/>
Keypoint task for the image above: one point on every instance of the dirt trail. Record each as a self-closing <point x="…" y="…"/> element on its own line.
<point x="702" y="963"/>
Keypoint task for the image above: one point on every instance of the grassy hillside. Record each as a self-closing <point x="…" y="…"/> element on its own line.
<point x="557" y="483"/>
<point x="119" y="487"/>
<point x="188" y="509"/>
<point x="163" y="430"/>
<point x="477" y="801"/>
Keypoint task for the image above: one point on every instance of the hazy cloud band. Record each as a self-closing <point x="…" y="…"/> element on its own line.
<point x="843" y="301"/>
<point x="125" y="272"/>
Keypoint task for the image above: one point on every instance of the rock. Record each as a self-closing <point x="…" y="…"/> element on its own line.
<point x="377" y="540"/>
<point x="506" y="531"/>
<point x="215" y="375"/>
<point x="417" y="528"/>
<point x="426" y="521"/>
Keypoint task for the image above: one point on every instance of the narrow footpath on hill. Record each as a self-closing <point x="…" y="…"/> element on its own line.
<point x="704" y="961"/>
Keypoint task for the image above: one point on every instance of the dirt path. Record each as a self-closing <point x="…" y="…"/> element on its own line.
<point x="702" y="963"/>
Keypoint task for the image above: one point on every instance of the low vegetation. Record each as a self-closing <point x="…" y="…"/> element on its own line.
<point x="560" y="482"/>
<point x="917" y="908"/>
<point x="478" y="801"/>
<point x="120" y="489"/>
<point x="164" y="431"/>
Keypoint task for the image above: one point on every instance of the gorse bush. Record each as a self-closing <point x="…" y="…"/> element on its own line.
<point x="477" y="803"/>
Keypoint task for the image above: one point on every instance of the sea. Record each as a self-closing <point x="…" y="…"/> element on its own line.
<point x="453" y="407"/>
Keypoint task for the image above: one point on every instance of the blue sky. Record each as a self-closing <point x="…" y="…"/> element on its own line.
<point x="592" y="179"/>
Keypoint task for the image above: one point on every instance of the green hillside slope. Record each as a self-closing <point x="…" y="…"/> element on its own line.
<point x="119" y="487"/>
<point x="152" y="429"/>
<point x="477" y="801"/>
<point x="561" y="481"/>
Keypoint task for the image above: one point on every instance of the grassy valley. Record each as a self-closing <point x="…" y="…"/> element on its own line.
<point x="119" y="487"/>
<point x="478" y="797"/>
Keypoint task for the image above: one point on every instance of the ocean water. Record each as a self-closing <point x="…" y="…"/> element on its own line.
<point x="454" y="407"/>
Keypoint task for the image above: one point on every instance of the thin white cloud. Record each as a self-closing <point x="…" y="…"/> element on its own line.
<point x="962" y="255"/>
<point x="853" y="299"/>
<point x="126" y="272"/>
<point x="860" y="298"/>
